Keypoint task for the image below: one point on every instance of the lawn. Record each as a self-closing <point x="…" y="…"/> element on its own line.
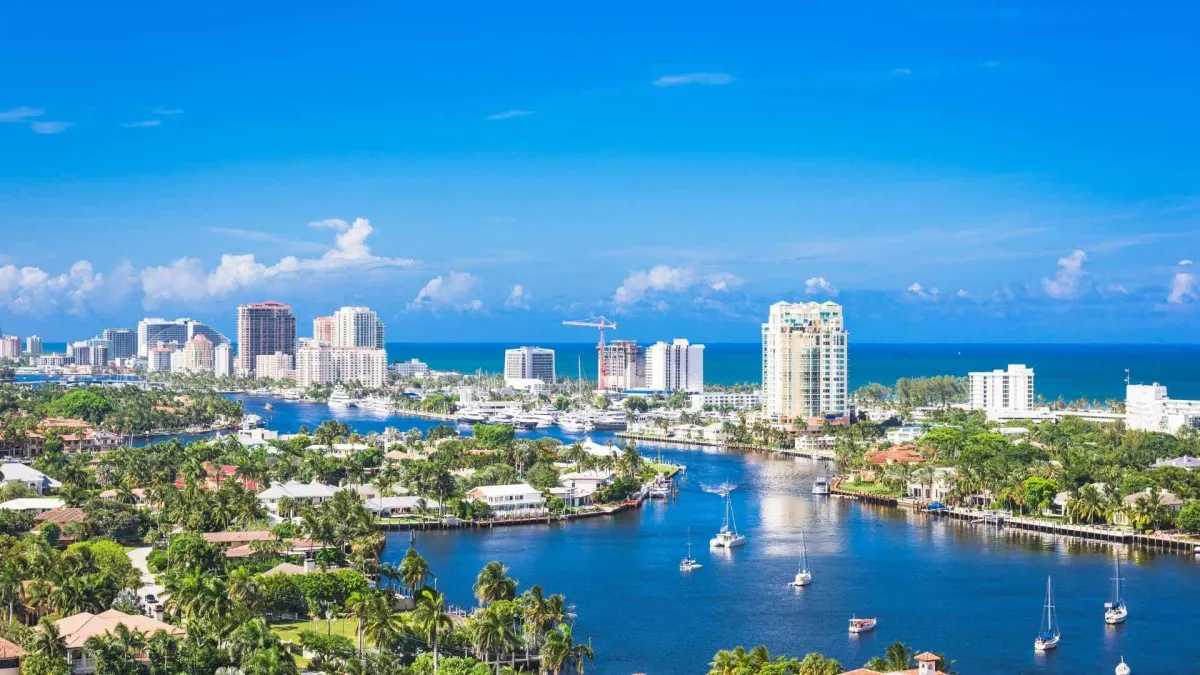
<point x="873" y="489"/>
<point x="668" y="469"/>
<point x="290" y="631"/>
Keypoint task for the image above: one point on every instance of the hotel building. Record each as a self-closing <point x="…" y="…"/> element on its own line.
<point x="528" y="363"/>
<point x="1002" y="392"/>
<point x="804" y="361"/>
<point x="322" y="364"/>
<point x="675" y="366"/>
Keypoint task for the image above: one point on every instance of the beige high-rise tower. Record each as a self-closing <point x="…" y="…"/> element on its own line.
<point x="804" y="361"/>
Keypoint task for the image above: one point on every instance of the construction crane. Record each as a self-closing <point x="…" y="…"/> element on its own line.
<point x="600" y="323"/>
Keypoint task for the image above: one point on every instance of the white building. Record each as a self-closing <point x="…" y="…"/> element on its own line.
<point x="356" y="327"/>
<point x="158" y="359"/>
<point x="277" y="366"/>
<point x="27" y="475"/>
<point x="675" y="366"/>
<point x="1148" y="408"/>
<point x="411" y="368"/>
<point x="198" y="356"/>
<point x="51" y="360"/>
<point x="33" y="345"/>
<point x="804" y="361"/>
<point x="223" y="360"/>
<point x="732" y="400"/>
<point x="155" y="331"/>
<point x="1003" y="392"/>
<point x="528" y="363"/>
<point x="303" y="493"/>
<point x="624" y="366"/>
<point x="902" y="435"/>
<point x="318" y="364"/>
<point x="511" y="500"/>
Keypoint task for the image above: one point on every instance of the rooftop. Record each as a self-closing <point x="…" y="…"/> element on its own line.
<point x="76" y="629"/>
<point x="33" y="504"/>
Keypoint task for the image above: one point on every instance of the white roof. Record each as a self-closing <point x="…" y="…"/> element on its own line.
<point x="341" y="447"/>
<point x="593" y="448"/>
<point x="33" y="504"/>
<point x="298" y="490"/>
<point x="507" y="490"/>
<point x="593" y="474"/>
<point x="408" y="502"/>
<point x="26" y="474"/>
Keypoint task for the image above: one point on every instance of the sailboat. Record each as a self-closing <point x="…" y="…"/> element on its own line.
<point x="689" y="563"/>
<point x="1047" y="639"/>
<point x="1115" y="610"/>
<point x="1122" y="668"/>
<point x="803" y="577"/>
<point x="728" y="536"/>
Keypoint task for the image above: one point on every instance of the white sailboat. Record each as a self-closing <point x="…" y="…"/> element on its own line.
<point x="728" y="536"/>
<point x="1115" y="610"/>
<point x="689" y="563"/>
<point x="1047" y="638"/>
<point x="803" y="576"/>
<point x="1122" y="668"/>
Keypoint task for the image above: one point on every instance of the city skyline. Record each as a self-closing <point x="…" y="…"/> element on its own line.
<point x="947" y="173"/>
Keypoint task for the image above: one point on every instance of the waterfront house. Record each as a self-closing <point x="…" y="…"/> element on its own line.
<point x="936" y="490"/>
<point x="573" y="497"/>
<point x="303" y="493"/>
<point x="515" y="500"/>
<point x="61" y="517"/>
<point x="10" y="658"/>
<point x="586" y="479"/>
<point x="392" y="507"/>
<point x="340" y="449"/>
<point x="76" y="436"/>
<point x="27" y="475"/>
<point x="1169" y="500"/>
<point x="593" y="448"/>
<point x="927" y="664"/>
<point x="902" y="435"/>
<point x="816" y="444"/>
<point x="1187" y="462"/>
<point x="242" y="544"/>
<point x="715" y="432"/>
<point x="34" y="505"/>
<point x="897" y="454"/>
<point x="76" y="629"/>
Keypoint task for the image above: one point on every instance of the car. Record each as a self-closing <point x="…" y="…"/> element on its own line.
<point x="150" y="599"/>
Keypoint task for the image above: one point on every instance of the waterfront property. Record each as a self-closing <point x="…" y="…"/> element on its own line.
<point x="517" y="500"/>
<point x="300" y="493"/>
<point x="28" y="476"/>
<point x="1002" y="393"/>
<point x="393" y="507"/>
<point x="77" y="628"/>
<point x="1167" y="500"/>
<point x="804" y="362"/>
<point x="1148" y="408"/>
<point x="936" y="488"/>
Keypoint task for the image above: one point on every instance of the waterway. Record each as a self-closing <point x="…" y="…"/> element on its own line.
<point x="970" y="592"/>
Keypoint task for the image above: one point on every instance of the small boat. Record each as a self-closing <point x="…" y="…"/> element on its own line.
<point x="820" y="486"/>
<point x="1047" y="639"/>
<point x="1122" y="669"/>
<point x="689" y="563"/>
<point x="803" y="576"/>
<point x="728" y="536"/>
<point x="660" y="488"/>
<point x="861" y="625"/>
<point x="1115" y="610"/>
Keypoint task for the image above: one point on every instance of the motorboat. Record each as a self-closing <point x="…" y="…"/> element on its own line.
<point x="660" y="488"/>
<point x="820" y="486"/>
<point x="526" y="422"/>
<point x="379" y="404"/>
<point x="470" y="417"/>
<point x="340" y="399"/>
<point x="1122" y="669"/>
<point x="727" y="536"/>
<point x="1049" y="634"/>
<point x="1115" y="610"/>
<point x="862" y="625"/>
<point x="689" y="563"/>
<point x="573" y="423"/>
<point x="803" y="575"/>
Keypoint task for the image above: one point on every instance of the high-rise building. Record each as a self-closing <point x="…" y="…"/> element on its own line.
<point x="33" y="345"/>
<point x="264" y="328"/>
<point x="322" y="364"/>
<point x="410" y="368"/>
<point x="223" y="360"/>
<point x="277" y="366"/>
<point x="529" y="363"/>
<point x="624" y="365"/>
<point x="10" y="346"/>
<point x="1002" y="391"/>
<point x="356" y="327"/>
<point x="675" y="366"/>
<point x="323" y="330"/>
<point x="1148" y="408"/>
<point x="152" y="332"/>
<point x="158" y="359"/>
<point x="804" y="361"/>
<point x="122" y="342"/>
<point x="198" y="356"/>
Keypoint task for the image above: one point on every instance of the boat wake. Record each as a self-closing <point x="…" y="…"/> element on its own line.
<point x="722" y="489"/>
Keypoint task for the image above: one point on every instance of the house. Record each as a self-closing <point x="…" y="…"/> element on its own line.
<point x="1058" y="506"/>
<point x="573" y="497"/>
<point x="902" y="435"/>
<point x="35" y="480"/>
<point x="76" y="436"/>
<point x="714" y="432"/>
<point x="391" y="507"/>
<point x="340" y="449"/>
<point x="927" y="664"/>
<point x="897" y="454"/>
<point x="514" y="500"/>
<point x="1169" y="500"/>
<point x="76" y="629"/>
<point x="10" y="658"/>
<point x="215" y="475"/>
<point x="241" y="544"/>
<point x="936" y="490"/>
<point x="815" y="443"/>
<point x="586" y="479"/>
<point x="310" y="565"/>
<point x="34" y="504"/>
<point x="303" y="493"/>
<point x="1186" y="462"/>
<point x="138" y="494"/>
<point x="61" y="518"/>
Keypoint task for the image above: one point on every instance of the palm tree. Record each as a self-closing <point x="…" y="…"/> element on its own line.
<point x="270" y="662"/>
<point x="493" y="583"/>
<point x="818" y="664"/>
<point x="47" y="642"/>
<point x="899" y="656"/>
<point x="537" y="617"/>
<point x="380" y="625"/>
<point x="431" y="619"/>
<point x="414" y="570"/>
<point x="491" y="632"/>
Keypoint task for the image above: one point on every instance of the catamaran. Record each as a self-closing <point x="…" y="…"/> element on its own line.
<point x="728" y="536"/>
<point x="1115" y="610"/>
<point x="861" y="625"/>
<point x="1047" y="639"/>
<point x="689" y="563"/>
<point x="803" y="577"/>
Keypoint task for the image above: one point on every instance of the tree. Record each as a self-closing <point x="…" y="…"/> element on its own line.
<point x="1039" y="492"/>
<point x="818" y="664"/>
<point x="493" y="583"/>
<point x="637" y="404"/>
<point x="491" y="632"/>
<point x="560" y="651"/>
<point x="431" y="619"/>
<point x="1189" y="518"/>
<point x="414" y="570"/>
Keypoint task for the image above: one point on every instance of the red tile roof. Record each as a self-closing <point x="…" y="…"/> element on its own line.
<point x="61" y="516"/>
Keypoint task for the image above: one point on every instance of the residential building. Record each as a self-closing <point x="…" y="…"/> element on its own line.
<point x="12" y="472"/>
<point x="1187" y="463"/>
<point x="88" y="353"/>
<point x="10" y="346"/>
<point x="927" y="664"/>
<point x="301" y="493"/>
<point x="263" y="328"/>
<point x="277" y="366"/>
<point x="223" y="360"/>
<point x="356" y="327"/>
<point x="158" y="359"/>
<point x="1002" y="392"/>
<point x="122" y="342"/>
<point x="52" y="360"/>
<point x="152" y="332"/>
<point x="804" y="361"/>
<point x="198" y="356"/>
<point x="406" y="505"/>
<point x="510" y="501"/>
<point x="10" y="658"/>
<point x="317" y="364"/>
<point x="323" y="330"/>
<point x="410" y="368"/>
<point x="34" y="505"/>
<point x="905" y="434"/>
<point x="78" y="628"/>
<point x="675" y="366"/>
<point x="727" y="400"/>
<point x="1148" y="408"/>
<point x="528" y="363"/>
<point x="177" y="363"/>
<point x="935" y="489"/>
<point x="532" y="385"/>
<point x="1168" y="500"/>
<point x="76" y="436"/>
<point x="624" y="366"/>
<point x="33" y="345"/>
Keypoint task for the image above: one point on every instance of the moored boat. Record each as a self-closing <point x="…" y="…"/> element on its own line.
<point x="803" y="576"/>
<point x="689" y="563"/>
<point x="862" y="625"/>
<point x="1049" y="634"/>
<point x="727" y="536"/>
<point x="1115" y="610"/>
<point x="820" y="486"/>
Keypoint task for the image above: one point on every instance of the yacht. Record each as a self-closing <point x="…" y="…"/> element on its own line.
<point x="803" y="576"/>
<point x="1047" y="638"/>
<point x="861" y="625"/>
<point x="820" y="486"/>
<point x="607" y="421"/>
<point x="728" y="536"/>
<point x="526" y="421"/>
<point x="340" y="399"/>
<point x="689" y="563"/>
<point x="573" y="423"/>
<point x="545" y="418"/>
<point x="661" y="487"/>
<point x="1122" y="669"/>
<point x="380" y="404"/>
<point x="1115" y="610"/>
<point x="470" y="417"/>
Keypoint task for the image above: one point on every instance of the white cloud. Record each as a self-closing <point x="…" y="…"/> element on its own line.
<point x="962" y="293"/>
<point x="448" y="291"/>
<point x="49" y="127"/>
<point x="819" y="285"/>
<point x="901" y="71"/>
<point x="518" y="298"/>
<point x="693" y="78"/>
<point x="33" y="290"/>
<point x="21" y="114"/>
<point x="1118" y="289"/>
<point x="916" y="290"/>
<point x="166" y="111"/>
<point x="1066" y="281"/>
<point x="723" y="281"/>
<point x="186" y="279"/>
<point x="143" y="124"/>
<point x="1185" y="263"/>
<point x="658" y="278"/>
<point x="1184" y="287"/>
<point x="508" y="115"/>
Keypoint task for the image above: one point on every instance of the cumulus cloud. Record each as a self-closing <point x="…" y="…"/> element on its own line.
<point x="916" y="290"/>
<point x="21" y="114"/>
<point x="1117" y="289"/>
<point x="962" y="293"/>
<point x="693" y="78"/>
<point x="518" y="298"/>
<point x="32" y="290"/>
<point x="1185" y="263"/>
<point x="508" y="115"/>
<point x="658" y="278"/>
<point x="1065" y="283"/>
<point x="47" y="128"/>
<point x="186" y="279"/>
<point x="450" y="291"/>
<point x="819" y="286"/>
<point x="1184" y="288"/>
<point x="723" y="281"/>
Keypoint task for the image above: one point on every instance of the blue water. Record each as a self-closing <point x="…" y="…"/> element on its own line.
<point x="944" y="586"/>
<point x="1091" y="370"/>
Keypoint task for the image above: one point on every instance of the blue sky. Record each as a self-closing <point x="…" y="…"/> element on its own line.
<point x="949" y="171"/>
